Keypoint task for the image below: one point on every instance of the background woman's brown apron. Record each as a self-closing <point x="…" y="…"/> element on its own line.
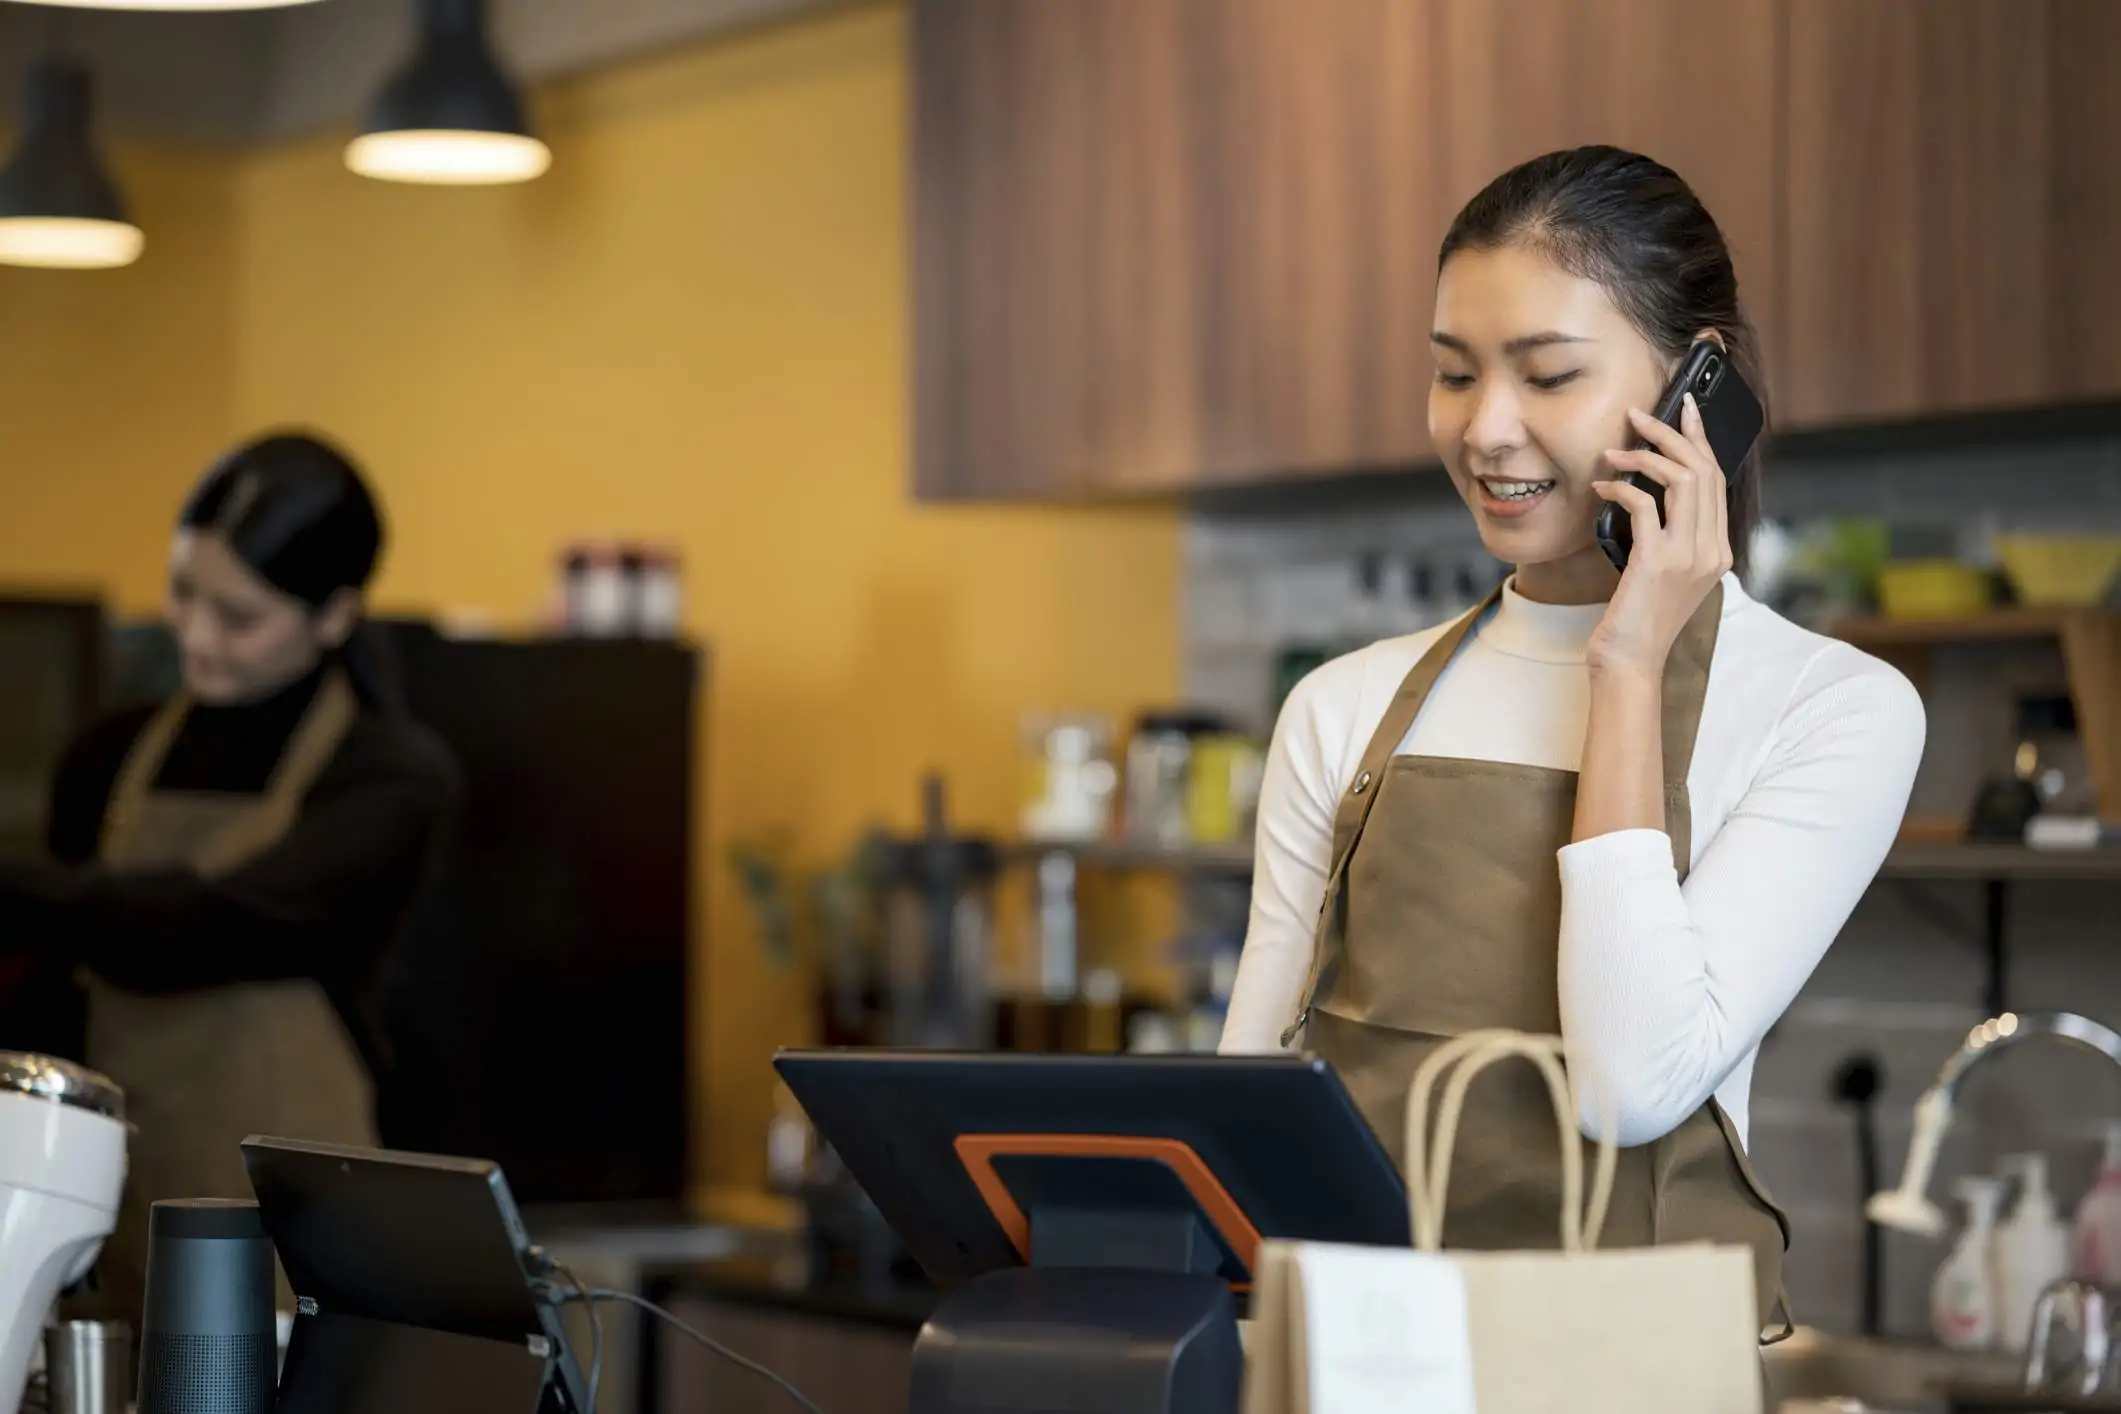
<point x="203" y="1070"/>
<point x="1442" y="915"/>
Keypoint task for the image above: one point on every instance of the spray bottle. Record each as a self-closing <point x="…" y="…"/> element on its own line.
<point x="1963" y="1294"/>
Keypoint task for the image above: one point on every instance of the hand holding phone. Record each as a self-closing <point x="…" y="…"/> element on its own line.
<point x="1731" y="417"/>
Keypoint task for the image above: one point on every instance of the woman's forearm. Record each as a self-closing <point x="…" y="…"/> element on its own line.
<point x="1620" y="785"/>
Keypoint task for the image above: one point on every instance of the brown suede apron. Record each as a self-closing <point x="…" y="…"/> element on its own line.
<point x="1442" y="915"/>
<point x="203" y="1070"/>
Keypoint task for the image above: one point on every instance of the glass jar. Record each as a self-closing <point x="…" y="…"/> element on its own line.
<point x="1159" y="765"/>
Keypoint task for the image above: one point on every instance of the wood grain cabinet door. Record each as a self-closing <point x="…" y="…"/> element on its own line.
<point x="1917" y="207"/>
<point x="1695" y="85"/>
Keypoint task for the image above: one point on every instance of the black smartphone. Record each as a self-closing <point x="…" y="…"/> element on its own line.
<point x="1730" y="414"/>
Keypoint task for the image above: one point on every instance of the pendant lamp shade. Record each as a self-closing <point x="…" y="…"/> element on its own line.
<point x="450" y="116"/>
<point x="59" y="208"/>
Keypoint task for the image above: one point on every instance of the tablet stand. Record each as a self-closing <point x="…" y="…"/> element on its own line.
<point x="341" y="1364"/>
<point x="1121" y="1310"/>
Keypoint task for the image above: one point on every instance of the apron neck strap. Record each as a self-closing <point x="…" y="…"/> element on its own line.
<point x="1686" y="686"/>
<point x="315" y="738"/>
<point x="1354" y="809"/>
<point x="1686" y="676"/>
<point x="309" y="750"/>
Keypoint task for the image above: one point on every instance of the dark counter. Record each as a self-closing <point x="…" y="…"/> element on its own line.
<point x="783" y="1280"/>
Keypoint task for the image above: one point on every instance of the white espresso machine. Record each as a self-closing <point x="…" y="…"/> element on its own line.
<point x="62" y="1166"/>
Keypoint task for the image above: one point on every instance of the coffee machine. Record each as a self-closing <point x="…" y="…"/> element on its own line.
<point x="62" y="1167"/>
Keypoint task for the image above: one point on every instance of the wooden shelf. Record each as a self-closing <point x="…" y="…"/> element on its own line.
<point x="1999" y="861"/>
<point x="1907" y="861"/>
<point x="1230" y="859"/>
<point x="2090" y="640"/>
<point x="1991" y="626"/>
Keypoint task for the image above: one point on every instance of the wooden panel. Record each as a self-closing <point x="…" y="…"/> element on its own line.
<point x="1161" y="242"/>
<point x="1142" y="299"/>
<point x="1917" y="198"/>
<point x="1314" y="154"/>
<point x="2084" y="292"/>
<point x="1002" y="188"/>
<point x="1696" y="86"/>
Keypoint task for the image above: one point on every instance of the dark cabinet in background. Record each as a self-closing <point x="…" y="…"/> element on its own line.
<point x="539" y="1007"/>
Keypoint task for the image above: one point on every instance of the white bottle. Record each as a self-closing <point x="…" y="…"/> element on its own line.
<point x="2097" y="1237"/>
<point x="1963" y="1293"/>
<point x="2032" y="1250"/>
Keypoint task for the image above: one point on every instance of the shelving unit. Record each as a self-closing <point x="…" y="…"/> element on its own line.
<point x="2090" y="640"/>
<point x="1996" y="867"/>
<point x="2090" y="643"/>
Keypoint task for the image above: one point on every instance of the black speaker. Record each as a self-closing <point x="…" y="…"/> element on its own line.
<point x="207" y="1341"/>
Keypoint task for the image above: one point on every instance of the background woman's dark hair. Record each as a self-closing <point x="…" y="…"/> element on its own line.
<point x="1631" y="224"/>
<point x="297" y="511"/>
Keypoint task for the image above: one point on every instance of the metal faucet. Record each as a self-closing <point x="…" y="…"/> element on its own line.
<point x="1908" y="1207"/>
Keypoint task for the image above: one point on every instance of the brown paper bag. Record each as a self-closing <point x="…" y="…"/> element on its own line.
<point x="1338" y="1329"/>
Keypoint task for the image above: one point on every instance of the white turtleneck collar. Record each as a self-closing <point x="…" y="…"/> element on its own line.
<point x="1556" y="633"/>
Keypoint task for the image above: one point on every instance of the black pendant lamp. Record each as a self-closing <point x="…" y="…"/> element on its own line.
<point x="59" y="208"/>
<point x="450" y="116"/>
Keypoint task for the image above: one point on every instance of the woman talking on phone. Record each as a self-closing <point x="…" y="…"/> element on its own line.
<point x="232" y="865"/>
<point x="1631" y="807"/>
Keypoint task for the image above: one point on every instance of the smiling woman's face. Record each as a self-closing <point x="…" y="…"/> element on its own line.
<point x="1535" y="372"/>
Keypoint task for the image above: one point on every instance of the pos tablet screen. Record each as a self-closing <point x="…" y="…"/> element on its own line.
<point x="966" y="1156"/>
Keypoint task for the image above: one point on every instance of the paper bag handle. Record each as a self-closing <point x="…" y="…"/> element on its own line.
<point x="1429" y="1174"/>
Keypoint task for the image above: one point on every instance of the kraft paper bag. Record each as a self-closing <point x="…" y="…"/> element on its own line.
<point x="1340" y="1329"/>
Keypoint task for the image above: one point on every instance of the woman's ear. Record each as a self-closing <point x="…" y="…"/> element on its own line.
<point x="1714" y="336"/>
<point x="336" y="620"/>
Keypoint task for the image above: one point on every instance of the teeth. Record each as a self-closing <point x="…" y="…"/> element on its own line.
<point x="1516" y="490"/>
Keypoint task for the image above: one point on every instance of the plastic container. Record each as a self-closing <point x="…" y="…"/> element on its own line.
<point x="2060" y="570"/>
<point x="2096" y="1237"/>
<point x="1963" y="1293"/>
<point x="2032" y="1250"/>
<point x="1931" y="589"/>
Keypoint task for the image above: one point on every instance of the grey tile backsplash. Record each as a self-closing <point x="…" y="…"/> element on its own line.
<point x="1904" y="981"/>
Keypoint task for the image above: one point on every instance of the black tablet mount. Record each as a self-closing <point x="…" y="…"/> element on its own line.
<point x="1125" y="1306"/>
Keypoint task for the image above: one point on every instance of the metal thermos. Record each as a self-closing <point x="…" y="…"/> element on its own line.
<point x="88" y="1367"/>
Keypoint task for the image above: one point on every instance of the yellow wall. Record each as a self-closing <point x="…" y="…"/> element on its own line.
<point x="696" y="326"/>
<point x="117" y="386"/>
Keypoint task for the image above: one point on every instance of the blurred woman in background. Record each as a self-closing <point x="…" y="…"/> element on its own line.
<point x="232" y="865"/>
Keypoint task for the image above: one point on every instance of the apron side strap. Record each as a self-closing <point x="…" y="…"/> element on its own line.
<point x="137" y="772"/>
<point x="1353" y="813"/>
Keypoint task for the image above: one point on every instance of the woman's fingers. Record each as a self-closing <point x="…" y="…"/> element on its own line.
<point x="1674" y="442"/>
<point x="1640" y="505"/>
<point x="1681" y="511"/>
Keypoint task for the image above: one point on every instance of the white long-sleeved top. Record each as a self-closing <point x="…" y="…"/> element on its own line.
<point x="1806" y="753"/>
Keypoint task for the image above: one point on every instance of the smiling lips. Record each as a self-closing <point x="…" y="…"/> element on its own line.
<point x="1507" y="499"/>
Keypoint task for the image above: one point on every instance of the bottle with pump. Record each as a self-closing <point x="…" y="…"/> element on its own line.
<point x="2096" y="1240"/>
<point x="1963" y="1294"/>
<point x="2032" y="1250"/>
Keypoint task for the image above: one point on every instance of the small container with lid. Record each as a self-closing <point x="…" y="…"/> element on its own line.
<point x="1159" y="774"/>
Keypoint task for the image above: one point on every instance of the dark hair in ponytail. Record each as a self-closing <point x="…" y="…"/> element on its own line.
<point x="297" y="511"/>
<point x="1631" y="224"/>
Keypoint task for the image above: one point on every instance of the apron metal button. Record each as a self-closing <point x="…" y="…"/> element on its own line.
<point x="1362" y="783"/>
